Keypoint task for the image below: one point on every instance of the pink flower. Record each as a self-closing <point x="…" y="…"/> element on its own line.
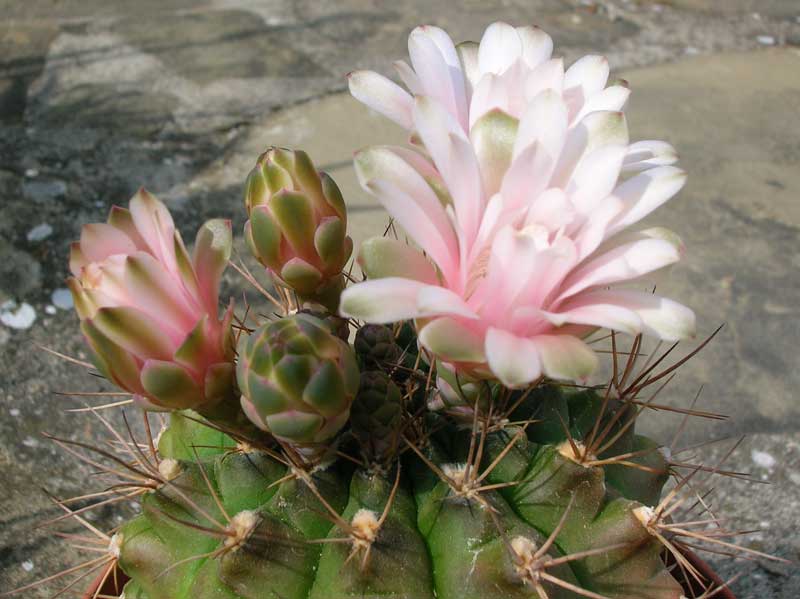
<point x="521" y="205"/>
<point x="150" y="311"/>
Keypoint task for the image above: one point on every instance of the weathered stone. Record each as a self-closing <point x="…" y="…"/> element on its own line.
<point x="769" y="506"/>
<point x="20" y="273"/>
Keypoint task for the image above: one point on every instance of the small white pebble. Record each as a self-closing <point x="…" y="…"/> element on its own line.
<point x="756" y="16"/>
<point x="27" y="565"/>
<point x="14" y="412"/>
<point x="62" y="298"/>
<point x="15" y="316"/>
<point x="30" y="442"/>
<point x="766" y="40"/>
<point x="31" y="173"/>
<point x="40" y="232"/>
<point x="691" y="50"/>
<point x="763" y="459"/>
<point x="50" y="309"/>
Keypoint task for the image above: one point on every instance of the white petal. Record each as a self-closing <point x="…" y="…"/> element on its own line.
<point x="612" y="98"/>
<point x="645" y="192"/>
<point x="596" y="130"/>
<point x="586" y="77"/>
<point x="468" y="53"/>
<point x="382" y="95"/>
<point x="452" y="341"/>
<point x="408" y="76"/>
<point x="545" y="123"/>
<point x="565" y="357"/>
<point x="382" y="257"/>
<point x="434" y="300"/>
<point x="595" y="177"/>
<point x="659" y="316"/>
<point x="514" y="360"/>
<point x="381" y="300"/>
<point x="596" y="314"/>
<point x="548" y="75"/>
<point x="646" y="154"/>
<point x="649" y="251"/>
<point x="537" y="46"/>
<point x="525" y="179"/>
<point x="500" y="47"/>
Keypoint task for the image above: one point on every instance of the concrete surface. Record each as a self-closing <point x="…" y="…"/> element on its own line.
<point x="97" y="98"/>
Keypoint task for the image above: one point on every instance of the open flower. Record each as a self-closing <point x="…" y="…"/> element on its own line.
<point x="521" y="202"/>
<point x="150" y="311"/>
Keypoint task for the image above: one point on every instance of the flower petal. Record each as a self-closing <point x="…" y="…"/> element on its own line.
<point x="565" y="357"/>
<point x="514" y="360"/>
<point x="643" y="193"/>
<point x="382" y="257"/>
<point x="382" y="95"/>
<point x="646" y="154"/>
<point x="382" y="300"/>
<point x="438" y="68"/>
<point x="544" y="122"/>
<point x="411" y="201"/>
<point x="537" y="46"/>
<point x="500" y="46"/>
<point x="625" y="259"/>
<point x="658" y="316"/>
<point x="450" y="340"/>
<point x="454" y="157"/>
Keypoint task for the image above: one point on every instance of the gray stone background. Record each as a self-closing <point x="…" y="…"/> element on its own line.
<point x="99" y="97"/>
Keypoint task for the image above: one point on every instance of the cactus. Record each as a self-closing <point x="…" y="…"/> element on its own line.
<point x="458" y="453"/>
<point x="444" y="520"/>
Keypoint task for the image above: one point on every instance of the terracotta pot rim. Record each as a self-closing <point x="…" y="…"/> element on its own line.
<point x="111" y="590"/>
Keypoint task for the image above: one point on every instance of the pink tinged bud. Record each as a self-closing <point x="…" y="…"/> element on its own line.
<point x="297" y="225"/>
<point x="149" y="311"/>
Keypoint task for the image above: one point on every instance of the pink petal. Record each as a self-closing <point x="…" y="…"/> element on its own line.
<point x="100" y="240"/>
<point x="453" y="156"/>
<point x="154" y="223"/>
<point x="382" y="95"/>
<point x="410" y="200"/>
<point x="514" y="360"/>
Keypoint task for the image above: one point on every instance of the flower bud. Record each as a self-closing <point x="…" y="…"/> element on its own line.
<point x="297" y="225"/>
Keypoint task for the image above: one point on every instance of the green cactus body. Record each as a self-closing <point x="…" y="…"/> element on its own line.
<point x="236" y="523"/>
